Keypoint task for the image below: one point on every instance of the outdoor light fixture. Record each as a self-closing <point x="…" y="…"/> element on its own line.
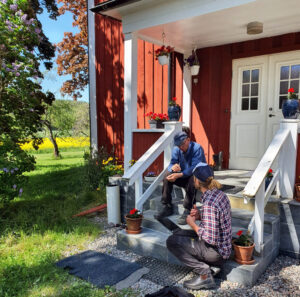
<point x="254" y="28"/>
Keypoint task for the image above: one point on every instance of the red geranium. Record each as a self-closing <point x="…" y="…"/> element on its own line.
<point x="243" y="239"/>
<point x="270" y="173"/>
<point x="134" y="213"/>
<point x="173" y="102"/>
<point x="292" y="94"/>
<point x="157" y="116"/>
<point x="163" y="51"/>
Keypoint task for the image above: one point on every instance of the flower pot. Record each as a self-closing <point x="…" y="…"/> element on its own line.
<point x="163" y="60"/>
<point x="290" y="108"/>
<point x="152" y="124"/>
<point x="150" y="178"/>
<point x="174" y="112"/>
<point x="243" y="254"/>
<point x="267" y="181"/>
<point x="297" y="192"/>
<point x="133" y="225"/>
<point x="156" y="124"/>
<point x="195" y="69"/>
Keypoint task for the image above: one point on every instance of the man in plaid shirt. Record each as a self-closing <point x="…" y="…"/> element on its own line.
<point x="212" y="245"/>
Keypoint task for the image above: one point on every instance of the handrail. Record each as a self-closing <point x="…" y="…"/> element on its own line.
<point x="149" y="157"/>
<point x="283" y="146"/>
<point x="265" y="163"/>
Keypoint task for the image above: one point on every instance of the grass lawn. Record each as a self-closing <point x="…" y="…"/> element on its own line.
<point x="37" y="229"/>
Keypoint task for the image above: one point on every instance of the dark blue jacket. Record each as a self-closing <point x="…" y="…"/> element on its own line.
<point x="188" y="160"/>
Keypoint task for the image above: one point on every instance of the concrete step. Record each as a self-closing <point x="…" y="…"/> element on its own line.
<point x="153" y="243"/>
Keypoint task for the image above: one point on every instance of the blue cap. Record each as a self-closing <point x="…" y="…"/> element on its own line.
<point x="179" y="138"/>
<point x="202" y="171"/>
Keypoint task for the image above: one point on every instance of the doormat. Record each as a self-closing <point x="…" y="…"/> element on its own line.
<point x="162" y="273"/>
<point x="230" y="189"/>
<point x="102" y="270"/>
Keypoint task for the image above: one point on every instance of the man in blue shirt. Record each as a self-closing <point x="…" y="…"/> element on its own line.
<point x="186" y="155"/>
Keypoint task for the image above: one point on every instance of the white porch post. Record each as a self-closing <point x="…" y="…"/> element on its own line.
<point x="187" y="96"/>
<point x="259" y="218"/>
<point x="130" y="94"/>
<point x="92" y="79"/>
<point x="177" y="126"/>
<point x="287" y="159"/>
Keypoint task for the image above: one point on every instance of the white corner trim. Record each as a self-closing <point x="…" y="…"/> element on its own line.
<point x="92" y="78"/>
<point x="130" y="94"/>
<point x="187" y="96"/>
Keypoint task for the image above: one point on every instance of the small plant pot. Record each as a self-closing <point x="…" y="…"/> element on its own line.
<point x="243" y="254"/>
<point x="163" y="60"/>
<point x="133" y="225"/>
<point x="297" y="192"/>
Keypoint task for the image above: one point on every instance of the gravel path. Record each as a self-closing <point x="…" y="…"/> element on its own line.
<point x="281" y="278"/>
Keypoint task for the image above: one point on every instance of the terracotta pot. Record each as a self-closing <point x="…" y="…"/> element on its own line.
<point x="133" y="225"/>
<point x="243" y="254"/>
<point x="297" y="188"/>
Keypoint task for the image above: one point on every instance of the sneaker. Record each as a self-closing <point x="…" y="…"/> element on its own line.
<point x="166" y="211"/>
<point x="198" y="283"/>
<point x="214" y="270"/>
<point x="182" y="220"/>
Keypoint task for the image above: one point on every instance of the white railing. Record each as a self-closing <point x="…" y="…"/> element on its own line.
<point x="135" y="173"/>
<point x="283" y="146"/>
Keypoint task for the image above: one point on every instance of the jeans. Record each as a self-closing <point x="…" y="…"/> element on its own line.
<point x="187" y="183"/>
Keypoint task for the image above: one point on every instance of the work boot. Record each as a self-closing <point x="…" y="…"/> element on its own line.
<point x="182" y="220"/>
<point x="198" y="283"/>
<point x="166" y="211"/>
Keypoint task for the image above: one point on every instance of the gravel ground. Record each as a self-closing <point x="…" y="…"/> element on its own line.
<point x="280" y="279"/>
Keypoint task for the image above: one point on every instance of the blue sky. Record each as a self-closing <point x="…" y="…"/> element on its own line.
<point x="54" y="30"/>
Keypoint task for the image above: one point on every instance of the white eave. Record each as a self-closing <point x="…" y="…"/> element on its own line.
<point x="201" y="23"/>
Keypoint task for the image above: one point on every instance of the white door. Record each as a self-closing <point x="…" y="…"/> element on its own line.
<point x="259" y="85"/>
<point x="248" y="112"/>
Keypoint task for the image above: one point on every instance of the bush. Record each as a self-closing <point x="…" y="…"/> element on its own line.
<point x="99" y="167"/>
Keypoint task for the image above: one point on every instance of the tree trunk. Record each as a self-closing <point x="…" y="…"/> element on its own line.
<point x="52" y="139"/>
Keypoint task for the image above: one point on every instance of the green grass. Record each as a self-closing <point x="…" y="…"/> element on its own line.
<point x="37" y="229"/>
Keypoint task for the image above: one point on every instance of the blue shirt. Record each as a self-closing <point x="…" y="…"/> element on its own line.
<point x="187" y="160"/>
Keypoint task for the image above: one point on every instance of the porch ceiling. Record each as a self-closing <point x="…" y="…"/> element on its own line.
<point x="213" y="28"/>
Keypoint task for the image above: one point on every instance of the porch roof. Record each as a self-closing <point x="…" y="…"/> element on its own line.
<point x="196" y="24"/>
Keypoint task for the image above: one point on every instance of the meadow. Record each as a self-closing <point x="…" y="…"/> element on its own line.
<point x="37" y="229"/>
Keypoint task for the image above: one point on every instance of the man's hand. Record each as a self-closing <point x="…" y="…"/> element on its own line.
<point x="176" y="168"/>
<point x="195" y="213"/>
<point x="190" y="220"/>
<point x="172" y="177"/>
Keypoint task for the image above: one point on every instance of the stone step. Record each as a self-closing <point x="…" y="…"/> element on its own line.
<point x="153" y="243"/>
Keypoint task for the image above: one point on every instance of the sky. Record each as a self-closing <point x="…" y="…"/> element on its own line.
<point x="54" y="30"/>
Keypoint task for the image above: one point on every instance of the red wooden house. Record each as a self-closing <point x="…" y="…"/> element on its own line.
<point x="232" y="106"/>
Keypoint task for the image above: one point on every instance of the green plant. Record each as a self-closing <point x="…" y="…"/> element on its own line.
<point x="134" y="214"/>
<point x="244" y="239"/>
<point x="153" y="116"/>
<point x="163" y="51"/>
<point x="292" y="94"/>
<point x="270" y="173"/>
<point x="173" y="102"/>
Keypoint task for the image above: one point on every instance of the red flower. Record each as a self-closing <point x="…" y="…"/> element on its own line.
<point x="239" y="233"/>
<point x="133" y="211"/>
<point x="270" y="170"/>
<point x="174" y="99"/>
<point x="291" y="90"/>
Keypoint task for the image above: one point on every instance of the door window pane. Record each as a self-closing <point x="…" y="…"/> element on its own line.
<point x="255" y="75"/>
<point x="295" y="85"/>
<point x="246" y="76"/>
<point x="284" y="85"/>
<point x="245" y="103"/>
<point x="281" y="98"/>
<point x="245" y="90"/>
<point x="295" y="71"/>
<point x="284" y="72"/>
<point x="254" y="89"/>
<point x="254" y="103"/>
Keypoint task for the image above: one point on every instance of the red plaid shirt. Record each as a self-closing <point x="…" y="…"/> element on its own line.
<point x="215" y="224"/>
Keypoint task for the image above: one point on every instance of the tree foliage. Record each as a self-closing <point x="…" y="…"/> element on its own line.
<point x="72" y="50"/>
<point x="23" y="46"/>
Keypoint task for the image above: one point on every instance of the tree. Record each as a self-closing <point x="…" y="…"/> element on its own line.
<point x="59" y="120"/>
<point x="23" y="46"/>
<point x="72" y="50"/>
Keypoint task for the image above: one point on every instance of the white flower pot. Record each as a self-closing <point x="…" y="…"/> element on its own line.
<point x="195" y="69"/>
<point x="163" y="60"/>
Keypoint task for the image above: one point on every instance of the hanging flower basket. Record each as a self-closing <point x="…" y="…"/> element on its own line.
<point x="163" y="60"/>
<point x="195" y="69"/>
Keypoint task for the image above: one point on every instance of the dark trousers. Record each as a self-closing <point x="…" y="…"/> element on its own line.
<point x="186" y="183"/>
<point x="194" y="253"/>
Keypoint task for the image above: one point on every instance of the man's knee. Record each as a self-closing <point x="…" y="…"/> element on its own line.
<point x="171" y="242"/>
